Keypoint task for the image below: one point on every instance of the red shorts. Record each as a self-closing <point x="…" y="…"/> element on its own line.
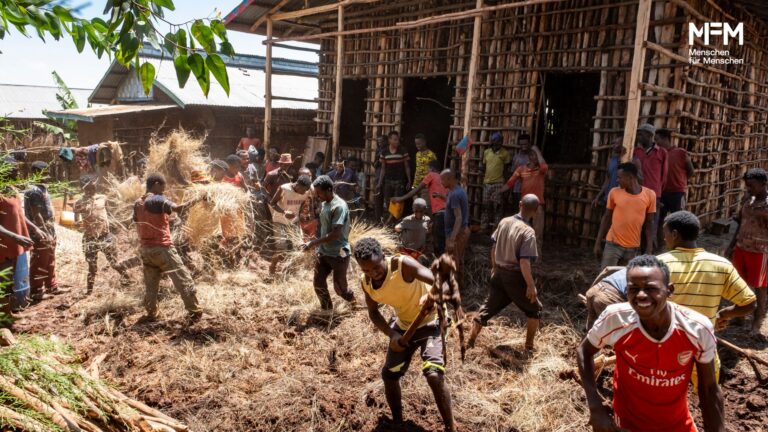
<point x="752" y="267"/>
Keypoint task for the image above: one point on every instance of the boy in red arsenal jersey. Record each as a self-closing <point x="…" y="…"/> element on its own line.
<point x="151" y="215"/>
<point x="657" y="344"/>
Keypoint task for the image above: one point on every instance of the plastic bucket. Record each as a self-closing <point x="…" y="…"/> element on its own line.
<point x="20" y="297"/>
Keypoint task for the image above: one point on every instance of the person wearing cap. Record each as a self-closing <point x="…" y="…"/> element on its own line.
<point x="92" y="218"/>
<point x="414" y="230"/>
<point x="495" y="160"/>
<point x="218" y="169"/>
<point x="14" y="235"/>
<point x="278" y="176"/>
<point x="654" y="164"/>
<point x="39" y="209"/>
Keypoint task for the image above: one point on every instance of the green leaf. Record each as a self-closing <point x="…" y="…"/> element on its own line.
<point x="169" y="43"/>
<point x="54" y="25"/>
<point x="197" y="64"/>
<point x="182" y="69"/>
<point x="129" y="46"/>
<point x="63" y="13"/>
<point x="78" y="36"/>
<point x="147" y="76"/>
<point x="219" y="30"/>
<point x="168" y="4"/>
<point x="218" y="70"/>
<point x="204" y="35"/>
<point x="128" y="21"/>
<point x="181" y="41"/>
<point x="227" y="49"/>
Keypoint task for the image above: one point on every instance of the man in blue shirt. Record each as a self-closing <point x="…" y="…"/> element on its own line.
<point x="610" y="288"/>
<point x="456" y="219"/>
<point x="333" y="248"/>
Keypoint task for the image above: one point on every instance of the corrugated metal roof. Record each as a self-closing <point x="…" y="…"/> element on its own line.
<point x="29" y="101"/>
<point x="242" y="17"/>
<point x="89" y="114"/>
<point x="246" y="80"/>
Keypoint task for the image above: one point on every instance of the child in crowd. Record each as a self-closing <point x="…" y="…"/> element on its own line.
<point x="414" y="229"/>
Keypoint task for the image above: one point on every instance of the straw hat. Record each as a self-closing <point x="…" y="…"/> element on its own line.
<point x="285" y="158"/>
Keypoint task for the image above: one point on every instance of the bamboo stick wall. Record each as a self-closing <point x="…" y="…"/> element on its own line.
<point x="718" y="113"/>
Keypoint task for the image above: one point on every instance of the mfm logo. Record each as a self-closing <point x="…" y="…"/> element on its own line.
<point x="715" y="29"/>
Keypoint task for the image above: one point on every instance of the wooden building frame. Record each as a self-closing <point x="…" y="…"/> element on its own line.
<point x="498" y="56"/>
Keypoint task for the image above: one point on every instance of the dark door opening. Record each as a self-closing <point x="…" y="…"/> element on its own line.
<point x="353" y="94"/>
<point x="565" y="119"/>
<point x="427" y="109"/>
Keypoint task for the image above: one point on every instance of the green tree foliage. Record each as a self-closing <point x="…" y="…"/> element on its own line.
<point x="195" y="46"/>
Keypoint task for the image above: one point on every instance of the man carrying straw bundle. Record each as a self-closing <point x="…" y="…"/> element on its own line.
<point x="91" y="216"/>
<point x="402" y="283"/>
<point x="151" y="215"/>
<point x="286" y="207"/>
<point x="333" y="248"/>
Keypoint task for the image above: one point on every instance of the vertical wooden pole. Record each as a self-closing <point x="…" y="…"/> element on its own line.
<point x="471" y="78"/>
<point x="268" y="89"/>
<point x="339" y="79"/>
<point x="636" y="75"/>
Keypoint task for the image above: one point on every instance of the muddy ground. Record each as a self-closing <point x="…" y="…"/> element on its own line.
<point x="262" y="360"/>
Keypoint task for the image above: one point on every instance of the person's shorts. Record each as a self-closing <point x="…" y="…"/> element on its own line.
<point x="752" y="267"/>
<point x="427" y="340"/>
<point x="507" y="286"/>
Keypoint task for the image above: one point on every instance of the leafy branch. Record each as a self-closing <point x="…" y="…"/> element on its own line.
<point x="130" y="24"/>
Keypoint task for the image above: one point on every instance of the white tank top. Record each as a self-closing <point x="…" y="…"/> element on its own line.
<point x="290" y="201"/>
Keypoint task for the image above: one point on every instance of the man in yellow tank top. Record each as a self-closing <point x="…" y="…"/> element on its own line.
<point x="403" y="284"/>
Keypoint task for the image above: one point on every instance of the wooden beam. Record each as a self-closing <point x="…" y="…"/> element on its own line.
<point x="454" y="16"/>
<point x="263" y="18"/>
<point x="474" y="58"/>
<point x="635" y="77"/>
<point x="268" y="90"/>
<point x="318" y="9"/>
<point x="339" y="80"/>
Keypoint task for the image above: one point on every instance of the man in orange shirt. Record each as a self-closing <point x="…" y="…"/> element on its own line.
<point x="532" y="175"/>
<point x="629" y="207"/>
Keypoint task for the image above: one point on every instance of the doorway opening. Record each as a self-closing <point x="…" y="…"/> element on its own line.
<point x="428" y="110"/>
<point x="353" y="94"/>
<point x="565" y="119"/>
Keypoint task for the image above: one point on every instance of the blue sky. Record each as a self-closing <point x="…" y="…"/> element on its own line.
<point x="31" y="61"/>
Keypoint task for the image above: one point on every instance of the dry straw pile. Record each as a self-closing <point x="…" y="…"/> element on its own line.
<point x="176" y="154"/>
<point x="214" y="202"/>
<point x="264" y="360"/>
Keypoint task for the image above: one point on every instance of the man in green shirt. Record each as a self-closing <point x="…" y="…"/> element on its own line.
<point x="494" y="161"/>
<point x="333" y="248"/>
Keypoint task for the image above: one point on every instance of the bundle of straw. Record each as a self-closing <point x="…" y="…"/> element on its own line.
<point x="217" y="201"/>
<point x="297" y="260"/>
<point x="122" y="195"/>
<point x="175" y="155"/>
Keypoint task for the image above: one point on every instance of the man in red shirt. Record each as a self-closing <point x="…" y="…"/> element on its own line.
<point x="437" y="194"/>
<point x="680" y="169"/>
<point x="653" y="160"/>
<point x="249" y="140"/>
<point x="14" y="240"/>
<point x="657" y="345"/>
<point x="532" y="175"/>
<point x="151" y="215"/>
<point x="749" y="247"/>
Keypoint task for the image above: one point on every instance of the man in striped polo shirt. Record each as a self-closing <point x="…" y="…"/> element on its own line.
<point x="395" y="169"/>
<point x="701" y="278"/>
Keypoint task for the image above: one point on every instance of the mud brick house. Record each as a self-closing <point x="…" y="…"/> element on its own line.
<point x="575" y="74"/>
<point x="131" y="117"/>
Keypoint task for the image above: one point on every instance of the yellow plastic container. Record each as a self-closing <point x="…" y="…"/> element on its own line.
<point x="396" y="209"/>
<point x="67" y="219"/>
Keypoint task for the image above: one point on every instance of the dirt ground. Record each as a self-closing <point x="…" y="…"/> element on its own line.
<point x="261" y="359"/>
